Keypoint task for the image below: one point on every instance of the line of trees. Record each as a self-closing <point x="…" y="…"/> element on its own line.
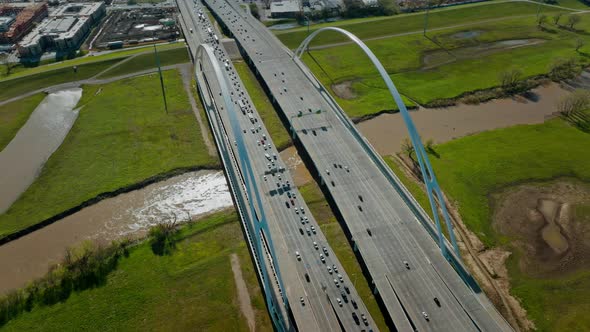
<point x="82" y="268"/>
<point x="356" y="8"/>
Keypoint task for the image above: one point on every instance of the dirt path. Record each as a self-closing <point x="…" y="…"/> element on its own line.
<point x="243" y="296"/>
<point x="186" y="73"/>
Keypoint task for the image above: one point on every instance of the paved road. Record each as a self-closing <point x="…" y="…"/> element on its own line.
<point x="293" y="230"/>
<point x="385" y="229"/>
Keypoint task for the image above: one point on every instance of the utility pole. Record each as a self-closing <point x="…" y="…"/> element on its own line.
<point x="161" y="78"/>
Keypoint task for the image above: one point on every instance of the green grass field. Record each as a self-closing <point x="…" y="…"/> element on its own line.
<point x="14" y="115"/>
<point x="471" y="168"/>
<point x="423" y="70"/>
<point x="148" y="61"/>
<point x="192" y="289"/>
<point x="277" y="131"/>
<point x="21" y="70"/>
<point x="414" y="22"/>
<point x="121" y="137"/>
<point x="320" y="209"/>
<point x="18" y="86"/>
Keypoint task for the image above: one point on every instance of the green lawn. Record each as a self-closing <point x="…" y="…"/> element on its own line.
<point x="14" y="115"/>
<point x="20" y="70"/>
<point x="318" y="206"/>
<point x="471" y="168"/>
<point x="148" y="61"/>
<point x="15" y="87"/>
<point x="385" y="26"/>
<point x="424" y="72"/>
<point x="277" y="131"/>
<point x="192" y="289"/>
<point x="121" y="137"/>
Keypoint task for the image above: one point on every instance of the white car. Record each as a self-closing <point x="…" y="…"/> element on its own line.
<point x="298" y="255"/>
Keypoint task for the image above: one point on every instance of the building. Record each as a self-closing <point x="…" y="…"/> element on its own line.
<point x="285" y="8"/>
<point x="16" y="20"/>
<point x="64" y="30"/>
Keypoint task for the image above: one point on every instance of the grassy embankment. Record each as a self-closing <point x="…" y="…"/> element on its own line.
<point x="15" y="115"/>
<point x="191" y="289"/>
<point x="121" y="137"/>
<point x="46" y="76"/>
<point x="272" y="122"/>
<point x="320" y="209"/>
<point x="423" y="71"/>
<point x="471" y="168"/>
<point x="148" y="61"/>
<point x="20" y="70"/>
<point x="18" y="86"/>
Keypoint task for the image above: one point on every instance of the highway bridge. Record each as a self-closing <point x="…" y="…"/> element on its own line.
<point x="305" y="286"/>
<point x="422" y="285"/>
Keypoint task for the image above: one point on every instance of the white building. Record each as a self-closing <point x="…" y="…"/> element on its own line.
<point x="285" y="8"/>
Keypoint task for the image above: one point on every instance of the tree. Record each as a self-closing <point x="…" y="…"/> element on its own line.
<point x="577" y="101"/>
<point x="579" y="44"/>
<point x="254" y="11"/>
<point x="556" y="18"/>
<point x="563" y="68"/>
<point x="510" y="79"/>
<point x="573" y="20"/>
<point x="408" y="148"/>
<point x="541" y="20"/>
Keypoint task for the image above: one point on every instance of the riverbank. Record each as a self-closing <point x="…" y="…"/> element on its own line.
<point x="145" y="291"/>
<point x="23" y="158"/>
<point x="122" y="137"/>
<point x="387" y="131"/>
<point x="183" y="197"/>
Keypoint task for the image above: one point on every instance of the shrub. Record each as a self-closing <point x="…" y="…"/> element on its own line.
<point x="562" y="69"/>
<point x="163" y="238"/>
<point x="82" y="268"/>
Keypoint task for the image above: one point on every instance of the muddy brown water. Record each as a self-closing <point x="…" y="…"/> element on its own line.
<point x="22" y="159"/>
<point x="131" y="214"/>
<point x="386" y="131"/>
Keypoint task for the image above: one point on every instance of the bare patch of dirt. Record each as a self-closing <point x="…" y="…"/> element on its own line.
<point x="296" y="167"/>
<point x="344" y="90"/>
<point x="540" y="220"/>
<point x="243" y="295"/>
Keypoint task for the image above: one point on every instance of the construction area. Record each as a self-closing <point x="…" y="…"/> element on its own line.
<point x="130" y="27"/>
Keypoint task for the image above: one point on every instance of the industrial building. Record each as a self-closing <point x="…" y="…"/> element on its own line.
<point x="285" y="8"/>
<point x="16" y="20"/>
<point x="125" y="27"/>
<point x="64" y="30"/>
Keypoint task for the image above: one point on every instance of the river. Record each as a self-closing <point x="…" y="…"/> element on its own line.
<point x="22" y="159"/>
<point x="386" y="131"/>
<point x="190" y="195"/>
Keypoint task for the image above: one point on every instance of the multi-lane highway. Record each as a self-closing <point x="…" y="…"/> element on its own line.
<point x="419" y="288"/>
<point x="320" y="295"/>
